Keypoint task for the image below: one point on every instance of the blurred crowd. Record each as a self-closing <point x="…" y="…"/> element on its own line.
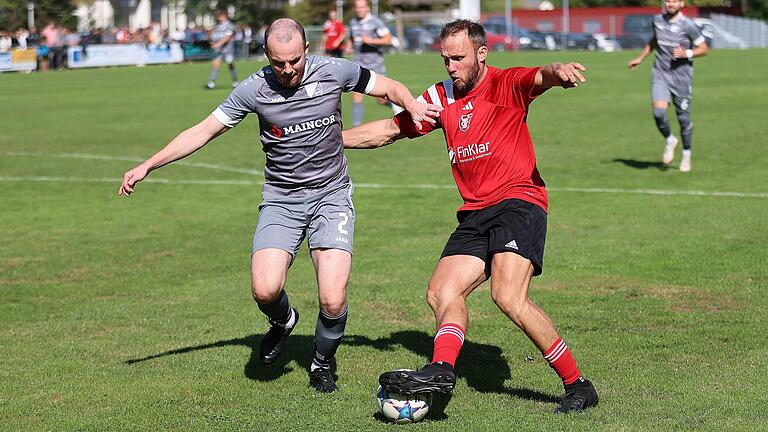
<point x="52" y="40"/>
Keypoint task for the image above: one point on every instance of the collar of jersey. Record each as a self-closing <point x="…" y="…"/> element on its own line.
<point x="679" y="17"/>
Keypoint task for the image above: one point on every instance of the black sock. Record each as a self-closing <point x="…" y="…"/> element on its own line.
<point x="444" y="365"/>
<point x="279" y="311"/>
<point x="580" y="382"/>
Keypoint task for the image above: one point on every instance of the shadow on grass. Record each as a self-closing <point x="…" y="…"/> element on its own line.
<point x="638" y="164"/>
<point x="482" y="366"/>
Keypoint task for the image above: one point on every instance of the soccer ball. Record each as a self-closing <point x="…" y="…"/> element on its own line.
<point x="403" y="409"/>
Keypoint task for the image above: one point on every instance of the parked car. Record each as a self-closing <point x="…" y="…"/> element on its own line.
<point x="606" y="43"/>
<point x="637" y="31"/>
<point x="716" y="37"/>
<point x="527" y="40"/>
<point x="418" y="39"/>
<point x="496" y="42"/>
<point x="580" y="41"/>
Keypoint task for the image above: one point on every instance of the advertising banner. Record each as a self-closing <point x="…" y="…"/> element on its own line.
<point x="123" y="55"/>
<point x="18" y="60"/>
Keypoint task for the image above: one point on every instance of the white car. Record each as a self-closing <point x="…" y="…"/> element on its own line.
<point x="717" y="37"/>
<point x="606" y="43"/>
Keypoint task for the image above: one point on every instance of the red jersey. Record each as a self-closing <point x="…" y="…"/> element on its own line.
<point x="332" y="31"/>
<point x="487" y="137"/>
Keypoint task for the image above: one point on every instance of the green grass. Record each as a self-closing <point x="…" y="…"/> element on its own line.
<point x="135" y="314"/>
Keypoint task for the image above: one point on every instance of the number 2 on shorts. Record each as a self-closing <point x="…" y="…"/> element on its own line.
<point x="343" y="222"/>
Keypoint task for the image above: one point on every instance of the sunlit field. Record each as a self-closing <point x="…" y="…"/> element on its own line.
<point x="136" y="314"/>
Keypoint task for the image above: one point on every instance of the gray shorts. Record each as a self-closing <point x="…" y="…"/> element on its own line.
<point x="680" y="95"/>
<point x="227" y="56"/>
<point x="370" y="61"/>
<point x="326" y="219"/>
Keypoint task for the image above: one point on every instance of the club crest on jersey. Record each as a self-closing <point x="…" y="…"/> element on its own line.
<point x="276" y="131"/>
<point x="313" y="89"/>
<point x="464" y="122"/>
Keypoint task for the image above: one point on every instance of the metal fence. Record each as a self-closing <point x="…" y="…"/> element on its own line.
<point x="753" y="32"/>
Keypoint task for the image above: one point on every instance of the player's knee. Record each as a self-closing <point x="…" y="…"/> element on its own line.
<point x="264" y="293"/>
<point x="438" y="295"/>
<point x="659" y="114"/>
<point x="333" y="305"/>
<point x="512" y="305"/>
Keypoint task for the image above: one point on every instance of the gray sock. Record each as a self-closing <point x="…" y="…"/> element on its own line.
<point x="214" y="75"/>
<point x="662" y="123"/>
<point x="328" y="333"/>
<point x="357" y="113"/>
<point x="233" y="72"/>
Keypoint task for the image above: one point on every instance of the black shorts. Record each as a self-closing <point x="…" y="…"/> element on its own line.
<point x="334" y="52"/>
<point x="512" y="225"/>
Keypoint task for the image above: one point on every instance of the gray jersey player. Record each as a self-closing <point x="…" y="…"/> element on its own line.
<point x="223" y="45"/>
<point x="677" y="40"/>
<point x="368" y="34"/>
<point x="307" y="193"/>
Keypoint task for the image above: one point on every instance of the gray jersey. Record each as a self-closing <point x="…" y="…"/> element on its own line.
<point x="369" y="56"/>
<point x="221" y="31"/>
<point x="300" y="127"/>
<point x="668" y="35"/>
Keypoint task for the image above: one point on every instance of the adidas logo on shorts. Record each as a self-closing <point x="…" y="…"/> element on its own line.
<point x="511" y="245"/>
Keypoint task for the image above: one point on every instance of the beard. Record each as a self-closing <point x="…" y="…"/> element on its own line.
<point x="473" y="75"/>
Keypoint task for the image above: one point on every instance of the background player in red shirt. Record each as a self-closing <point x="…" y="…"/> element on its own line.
<point x="503" y="222"/>
<point x="334" y="33"/>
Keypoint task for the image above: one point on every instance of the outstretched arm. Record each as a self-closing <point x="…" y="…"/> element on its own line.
<point x="396" y="92"/>
<point x="560" y="75"/>
<point x="373" y="134"/>
<point x="182" y="146"/>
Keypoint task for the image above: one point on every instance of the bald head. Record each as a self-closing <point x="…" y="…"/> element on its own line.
<point x="283" y="31"/>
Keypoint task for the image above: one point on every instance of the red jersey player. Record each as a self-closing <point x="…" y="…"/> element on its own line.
<point x="334" y="33"/>
<point x="503" y="221"/>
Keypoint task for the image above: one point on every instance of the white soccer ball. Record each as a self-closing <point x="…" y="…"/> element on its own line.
<point x="403" y="409"/>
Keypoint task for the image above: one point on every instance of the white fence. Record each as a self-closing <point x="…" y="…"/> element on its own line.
<point x="752" y="31"/>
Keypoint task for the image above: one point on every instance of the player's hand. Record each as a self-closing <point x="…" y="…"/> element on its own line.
<point x="570" y="75"/>
<point x="679" y="52"/>
<point x="131" y="178"/>
<point x="423" y="112"/>
<point x="634" y="63"/>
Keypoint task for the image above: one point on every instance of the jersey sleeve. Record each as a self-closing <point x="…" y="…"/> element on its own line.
<point x="351" y="76"/>
<point x="694" y="33"/>
<point x="240" y="102"/>
<point x="408" y="128"/>
<point x="381" y="28"/>
<point x="652" y="37"/>
<point x="523" y="84"/>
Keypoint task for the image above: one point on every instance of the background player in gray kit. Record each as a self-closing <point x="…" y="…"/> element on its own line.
<point x="223" y="38"/>
<point x="368" y="35"/>
<point x="677" y="40"/>
<point x="307" y="190"/>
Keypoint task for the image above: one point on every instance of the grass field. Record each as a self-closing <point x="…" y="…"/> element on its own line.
<point x="135" y="314"/>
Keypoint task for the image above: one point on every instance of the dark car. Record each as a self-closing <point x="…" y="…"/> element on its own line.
<point x="496" y="42"/>
<point x="527" y="40"/>
<point x="637" y="31"/>
<point x="581" y="41"/>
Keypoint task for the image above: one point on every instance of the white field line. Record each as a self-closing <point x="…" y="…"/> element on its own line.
<point x="133" y="159"/>
<point x="116" y="181"/>
<point x="358" y="185"/>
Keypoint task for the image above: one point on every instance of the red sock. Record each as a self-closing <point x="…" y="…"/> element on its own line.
<point x="448" y="341"/>
<point x="561" y="360"/>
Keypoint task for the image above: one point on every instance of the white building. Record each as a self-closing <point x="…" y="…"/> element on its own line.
<point x="133" y="14"/>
